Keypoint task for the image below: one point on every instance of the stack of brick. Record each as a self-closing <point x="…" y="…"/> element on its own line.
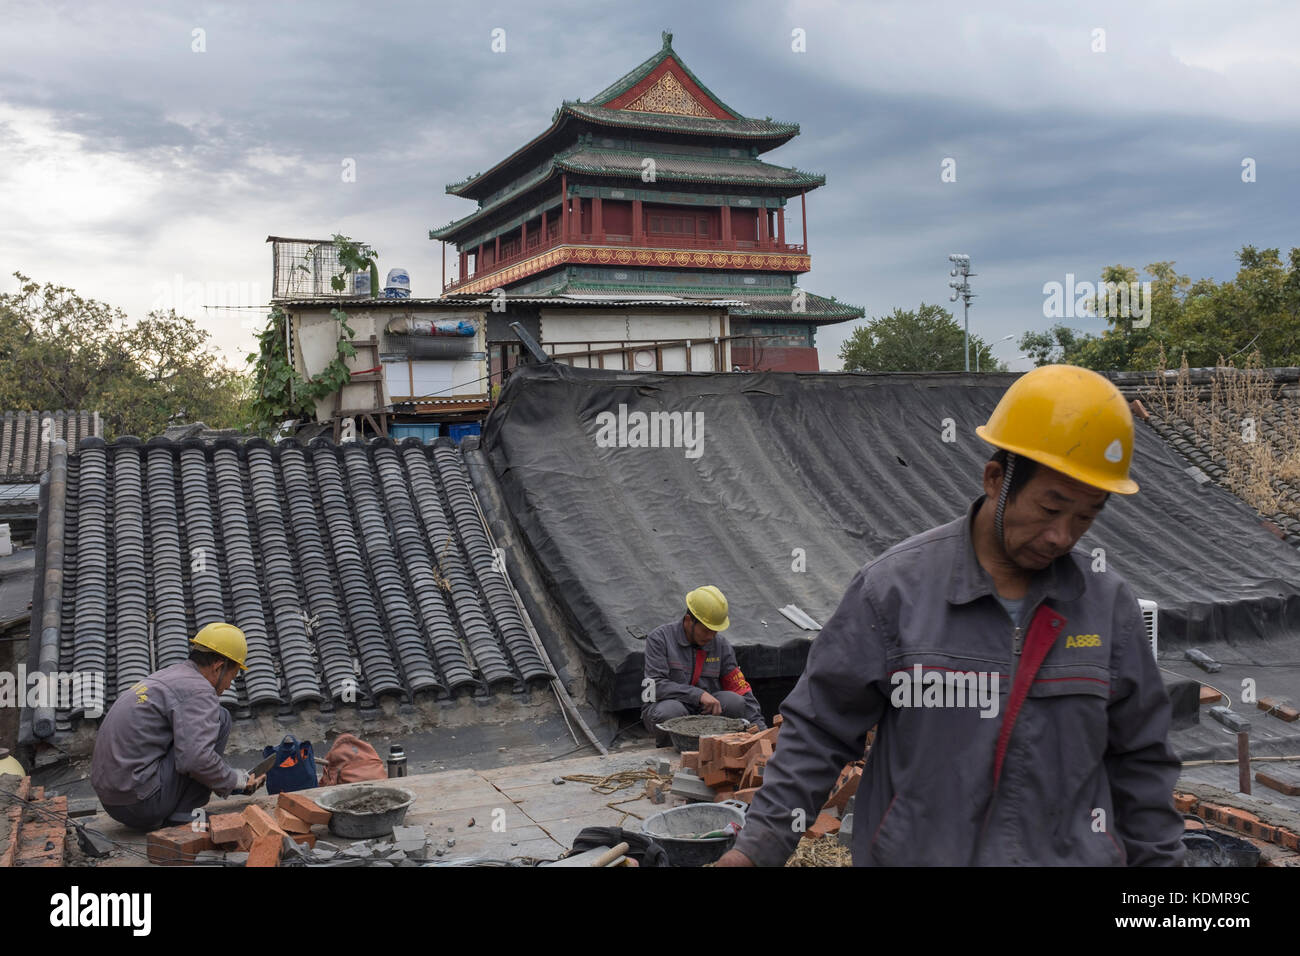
<point x="255" y="835"/>
<point x="33" y="833"/>
<point x="733" y="765"/>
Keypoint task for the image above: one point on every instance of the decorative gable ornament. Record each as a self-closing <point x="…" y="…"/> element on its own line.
<point x="667" y="95"/>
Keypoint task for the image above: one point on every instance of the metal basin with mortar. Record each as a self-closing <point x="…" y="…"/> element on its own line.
<point x="676" y="831"/>
<point x="362" y="810"/>
<point x="685" y="731"/>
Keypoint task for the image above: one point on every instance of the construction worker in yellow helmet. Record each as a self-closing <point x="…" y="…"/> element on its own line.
<point x="159" y="750"/>
<point x="690" y="668"/>
<point x="1020" y="716"/>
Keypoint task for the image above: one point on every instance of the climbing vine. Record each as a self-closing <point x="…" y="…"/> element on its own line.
<point x="280" y="393"/>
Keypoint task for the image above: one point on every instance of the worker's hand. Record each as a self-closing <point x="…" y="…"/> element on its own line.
<point x="710" y="704"/>
<point x="734" y="858"/>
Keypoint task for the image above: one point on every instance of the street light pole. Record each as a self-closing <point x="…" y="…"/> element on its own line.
<point x="1004" y="338"/>
<point x="961" y="267"/>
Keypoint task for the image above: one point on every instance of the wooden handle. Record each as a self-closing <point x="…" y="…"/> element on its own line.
<point x="610" y="855"/>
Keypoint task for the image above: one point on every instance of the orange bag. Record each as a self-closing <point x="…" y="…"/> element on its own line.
<point x="351" y="759"/>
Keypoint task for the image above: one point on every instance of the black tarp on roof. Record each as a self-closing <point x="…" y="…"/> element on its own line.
<point x="837" y="467"/>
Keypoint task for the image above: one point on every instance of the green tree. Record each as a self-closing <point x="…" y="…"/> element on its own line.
<point x="59" y="350"/>
<point x="1194" y="322"/>
<point x="927" y="339"/>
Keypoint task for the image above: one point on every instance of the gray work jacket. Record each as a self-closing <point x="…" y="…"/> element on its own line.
<point x="174" y="707"/>
<point x="670" y="663"/>
<point x="1086" y="770"/>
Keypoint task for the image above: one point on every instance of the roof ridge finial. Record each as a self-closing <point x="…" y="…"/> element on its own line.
<point x="668" y="39"/>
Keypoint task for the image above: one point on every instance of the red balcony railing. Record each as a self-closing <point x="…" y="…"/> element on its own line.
<point x="646" y="242"/>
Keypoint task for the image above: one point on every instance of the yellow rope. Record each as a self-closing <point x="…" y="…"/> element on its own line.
<point x="614" y="782"/>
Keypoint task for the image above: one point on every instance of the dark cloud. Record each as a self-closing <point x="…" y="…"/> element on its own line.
<point x="1065" y="163"/>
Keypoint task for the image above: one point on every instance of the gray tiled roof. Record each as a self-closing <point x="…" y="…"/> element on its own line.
<point x="742" y="127"/>
<point x="353" y="566"/>
<point x="201" y="431"/>
<point x="678" y="167"/>
<point x="1209" y="456"/>
<point x="1205" y="414"/>
<point x="817" y="308"/>
<point x="23" y="452"/>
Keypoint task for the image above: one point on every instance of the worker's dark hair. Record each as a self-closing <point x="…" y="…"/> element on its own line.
<point x="205" y="658"/>
<point x="1024" y="471"/>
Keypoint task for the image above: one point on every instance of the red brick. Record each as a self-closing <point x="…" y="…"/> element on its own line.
<point x="265" y="850"/>
<point x="1232" y="817"/>
<point x="1209" y="695"/>
<point x="307" y="838"/>
<point x="747" y="794"/>
<point x="708" y="750"/>
<point x="725" y="793"/>
<point x="177" y="846"/>
<point x="1287" y="838"/>
<point x="845" y="787"/>
<point x="289" y="823"/>
<point x="735" y="750"/>
<point x="260" y="821"/>
<point x="824" y="825"/>
<point x="720" y="777"/>
<point x="1275" y="782"/>
<point x="1277" y="708"/>
<point x="306" y="810"/>
<point x="776" y="721"/>
<point x="758" y="757"/>
<point x="1184" y="802"/>
<point x="769" y="735"/>
<point x="230" y="828"/>
<point x="691" y="760"/>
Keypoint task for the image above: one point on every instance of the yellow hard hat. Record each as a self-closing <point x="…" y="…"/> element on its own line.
<point x="9" y="764"/>
<point x="226" y="639"/>
<point x="709" y="607"/>
<point x="1070" y="419"/>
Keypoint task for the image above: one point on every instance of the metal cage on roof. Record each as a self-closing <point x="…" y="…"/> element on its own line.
<point x="303" y="268"/>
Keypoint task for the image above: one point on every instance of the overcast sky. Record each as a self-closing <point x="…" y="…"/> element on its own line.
<point x="144" y="163"/>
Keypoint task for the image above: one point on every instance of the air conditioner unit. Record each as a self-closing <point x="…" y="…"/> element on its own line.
<point x="1150" y="617"/>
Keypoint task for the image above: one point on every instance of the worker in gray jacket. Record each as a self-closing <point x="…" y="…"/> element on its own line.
<point x="690" y="668"/>
<point x="158" y="753"/>
<point x="1021" y="718"/>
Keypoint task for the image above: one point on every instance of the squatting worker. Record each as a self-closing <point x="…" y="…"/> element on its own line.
<point x="1072" y="765"/>
<point x="158" y="753"/>
<point x="690" y="668"/>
